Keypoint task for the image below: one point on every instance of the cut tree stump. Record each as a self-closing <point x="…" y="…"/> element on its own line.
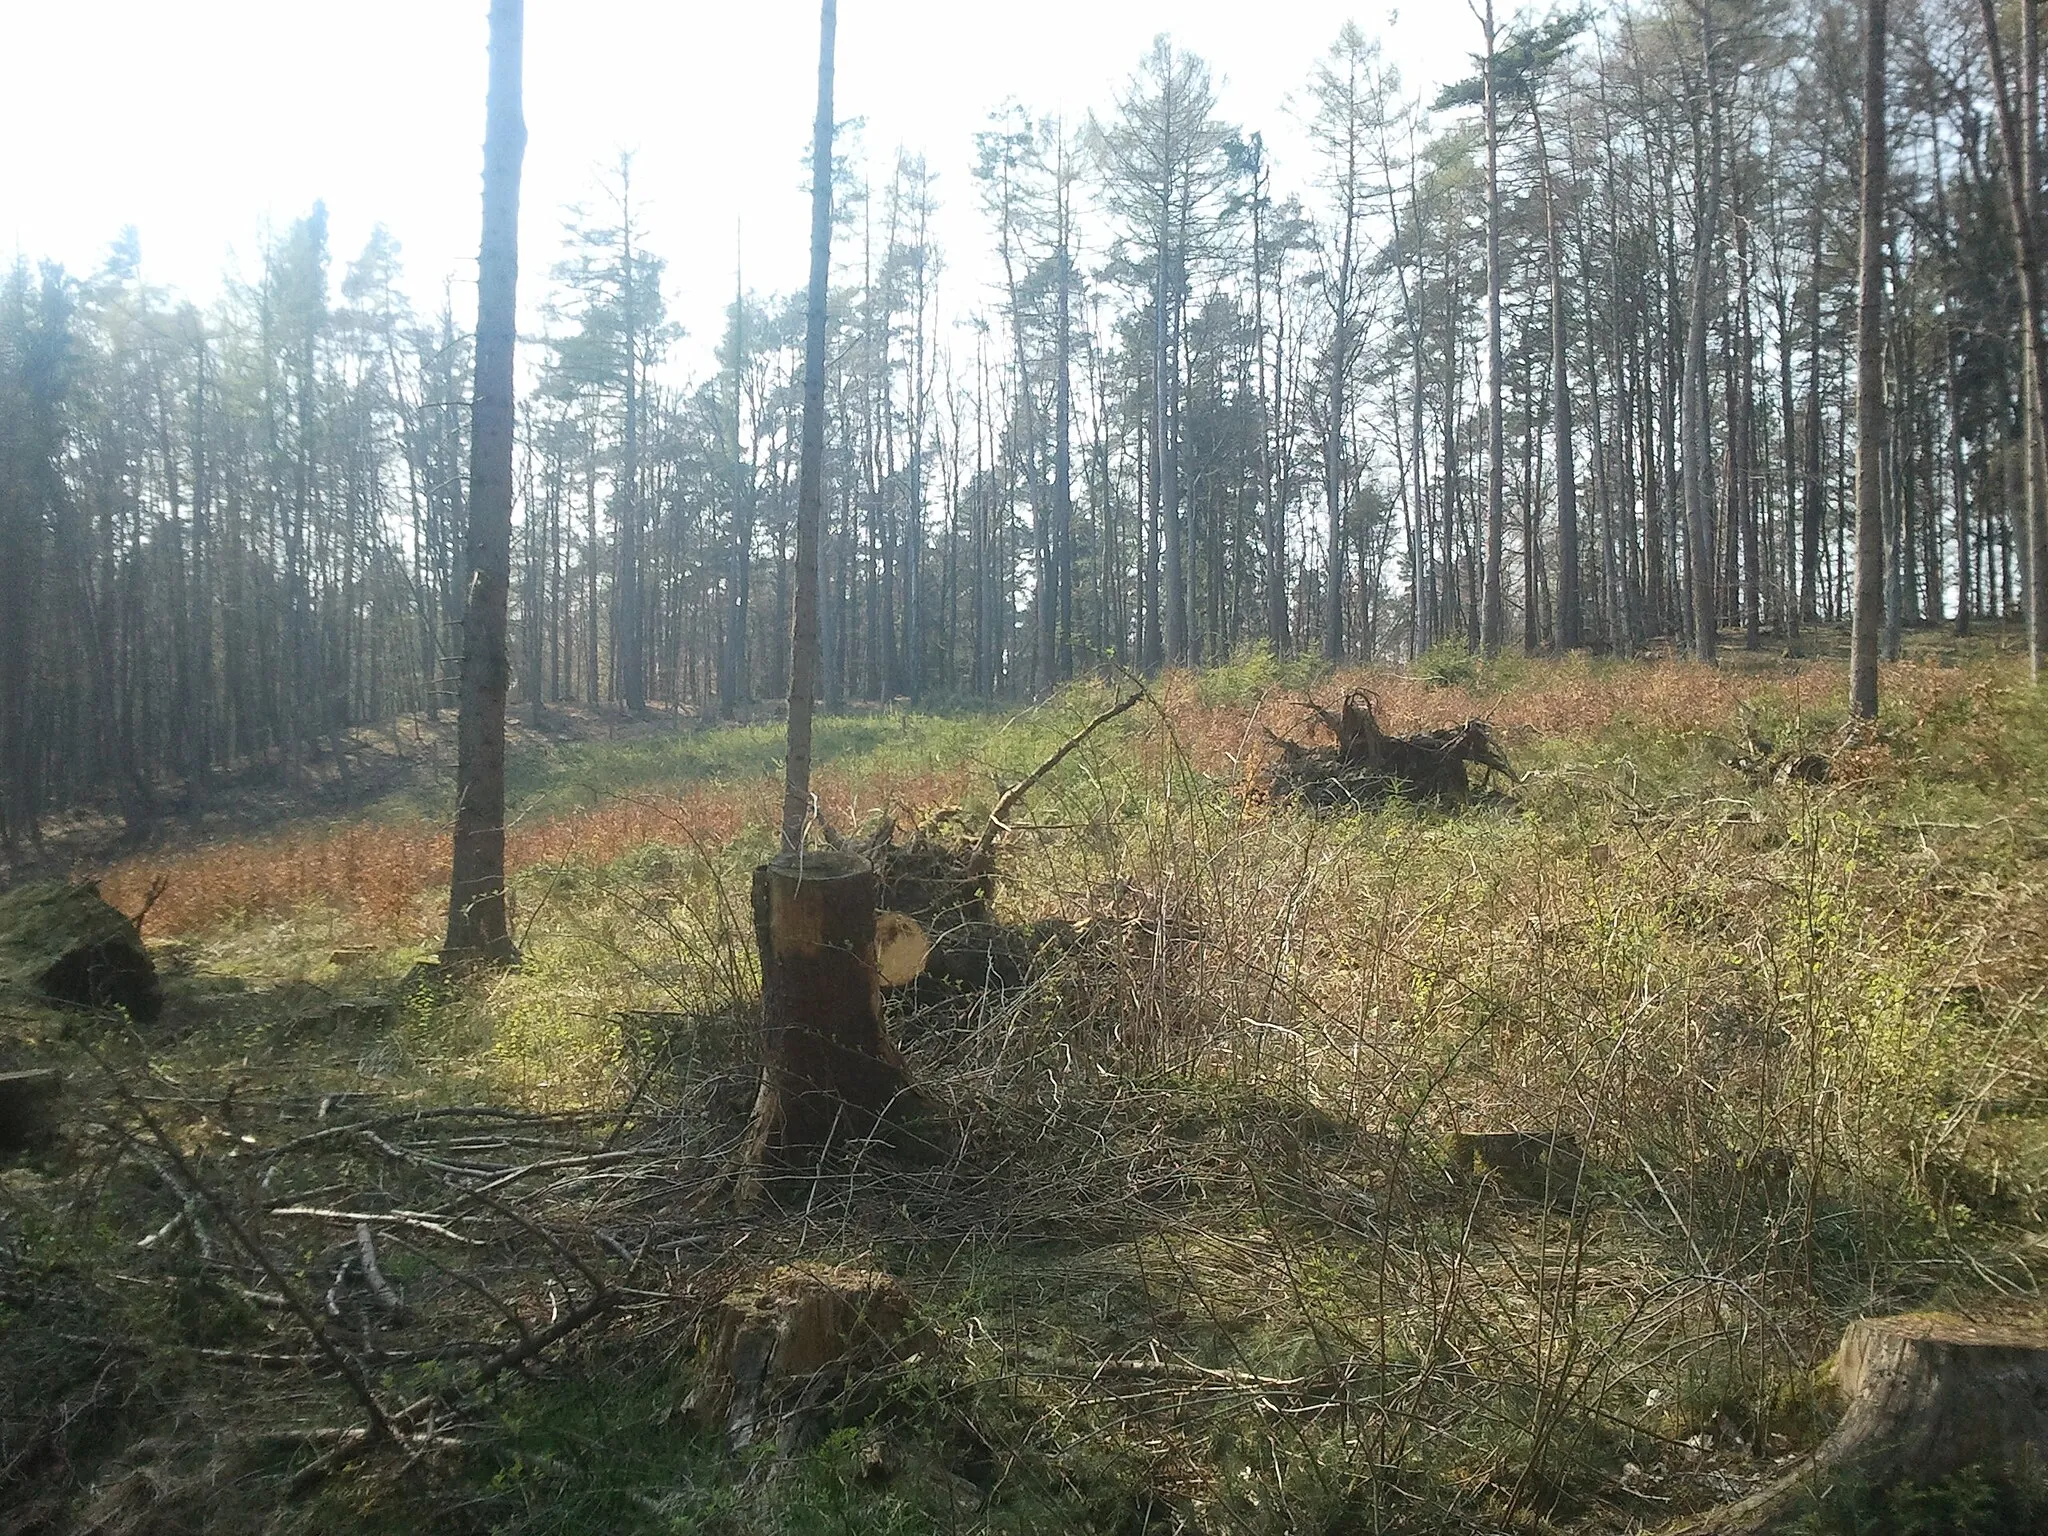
<point x="830" y="1076"/>
<point x="1537" y="1165"/>
<point x="28" y="1107"/>
<point x="1928" y="1394"/>
<point x="783" y="1347"/>
<point x="64" y="943"/>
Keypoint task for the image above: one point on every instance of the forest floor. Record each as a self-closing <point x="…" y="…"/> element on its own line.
<point x="1200" y="1258"/>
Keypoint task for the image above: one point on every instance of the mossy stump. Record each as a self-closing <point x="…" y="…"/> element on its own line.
<point x="63" y="943"/>
<point x="1544" y="1165"/>
<point x="1928" y="1395"/>
<point x="782" y="1348"/>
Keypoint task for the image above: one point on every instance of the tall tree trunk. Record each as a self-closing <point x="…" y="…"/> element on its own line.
<point x="1870" y="573"/>
<point x="1493" y="611"/>
<point x="732" y="690"/>
<point x="1165" y="389"/>
<point x="1742" y="446"/>
<point x="479" y="928"/>
<point x="1696" y="474"/>
<point x="1810" y="520"/>
<point x="810" y="493"/>
<point x="2015" y="137"/>
<point x="632" y="684"/>
<point x="1570" y="622"/>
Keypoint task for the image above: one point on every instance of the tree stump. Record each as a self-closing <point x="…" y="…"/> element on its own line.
<point x="780" y="1348"/>
<point x="28" y="1107"/>
<point x="1537" y="1165"/>
<point x="64" y="943"/>
<point x="1928" y="1394"/>
<point x="831" y="1079"/>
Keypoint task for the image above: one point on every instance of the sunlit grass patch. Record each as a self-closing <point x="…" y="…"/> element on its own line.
<point x="1792" y="1030"/>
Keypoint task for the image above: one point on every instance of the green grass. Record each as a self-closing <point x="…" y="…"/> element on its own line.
<point x="1796" y="1028"/>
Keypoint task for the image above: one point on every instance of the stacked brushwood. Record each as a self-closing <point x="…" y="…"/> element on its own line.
<point x="1367" y="766"/>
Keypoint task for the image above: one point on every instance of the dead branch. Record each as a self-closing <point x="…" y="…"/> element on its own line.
<point x="380" y="1423"/>
<point x="419" y="1221"/>
<point x="366" y="1258"/>
<point x="982" y="859"/>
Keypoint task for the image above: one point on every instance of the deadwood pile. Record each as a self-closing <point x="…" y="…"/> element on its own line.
<point x="1368" y="767"/>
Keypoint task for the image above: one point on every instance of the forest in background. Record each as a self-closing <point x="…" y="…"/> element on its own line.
<point x="1194" y="415"/>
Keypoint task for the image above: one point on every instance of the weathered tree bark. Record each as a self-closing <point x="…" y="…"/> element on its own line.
<point x="782" y="1346"/>
<point x="1928" y="1395"/>
<point x="831" y="1078"/>
<point x="479" y="928"/>
<point x="1870" y="563"/>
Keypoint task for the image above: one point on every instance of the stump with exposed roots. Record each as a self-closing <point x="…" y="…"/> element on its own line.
<point x="1928" y="1395"/>
<point x="1368" y="767"/>
<point x="832" y="1082"/>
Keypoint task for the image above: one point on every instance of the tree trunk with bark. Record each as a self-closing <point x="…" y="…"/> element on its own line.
<point x="479" y="926"/>
<point x="832" y="1079"/>
<point x="810" y="491"/>
<point x="1870" y="562"/>
<point x="2015" y="137"/>
<point x="1570" y="621"/>
<point x="1493" y="612"/>
<point x="830" y="1076"/>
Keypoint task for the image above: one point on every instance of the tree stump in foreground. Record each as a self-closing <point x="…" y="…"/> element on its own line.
<point x="782" y="1347"/>
<point x="831" y="1079"/>
<point x="1928" y="1394"/>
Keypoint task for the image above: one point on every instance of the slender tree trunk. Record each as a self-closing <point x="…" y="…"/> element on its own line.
<point x="1493" y="613"/>
<point x="1810" y="521"/>
<point x="1869" y="612"/>
<point x="810" y="495"/>
<point x="1742" y="447"/>
<point x="632" y="686"/>
<point x="2015" y="135"/>
<point x="733" y="686"/>
<point x="479" y="928"/>
<point x="1699" y="498"/>
<point x="1570" y="622"/>
<point x="1059" y="651"/>
<point x="1165" y="387"/>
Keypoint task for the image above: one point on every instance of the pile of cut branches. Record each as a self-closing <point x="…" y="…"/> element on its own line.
<point x="1368" y="767"/>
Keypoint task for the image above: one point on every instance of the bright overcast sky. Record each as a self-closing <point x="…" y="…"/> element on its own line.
<point x="199" y="121"/>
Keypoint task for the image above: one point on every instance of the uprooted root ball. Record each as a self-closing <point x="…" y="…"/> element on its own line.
<point x="1367" y="766"/>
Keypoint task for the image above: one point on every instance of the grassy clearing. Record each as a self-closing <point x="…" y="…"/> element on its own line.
<point x="1201" y="1262"/>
